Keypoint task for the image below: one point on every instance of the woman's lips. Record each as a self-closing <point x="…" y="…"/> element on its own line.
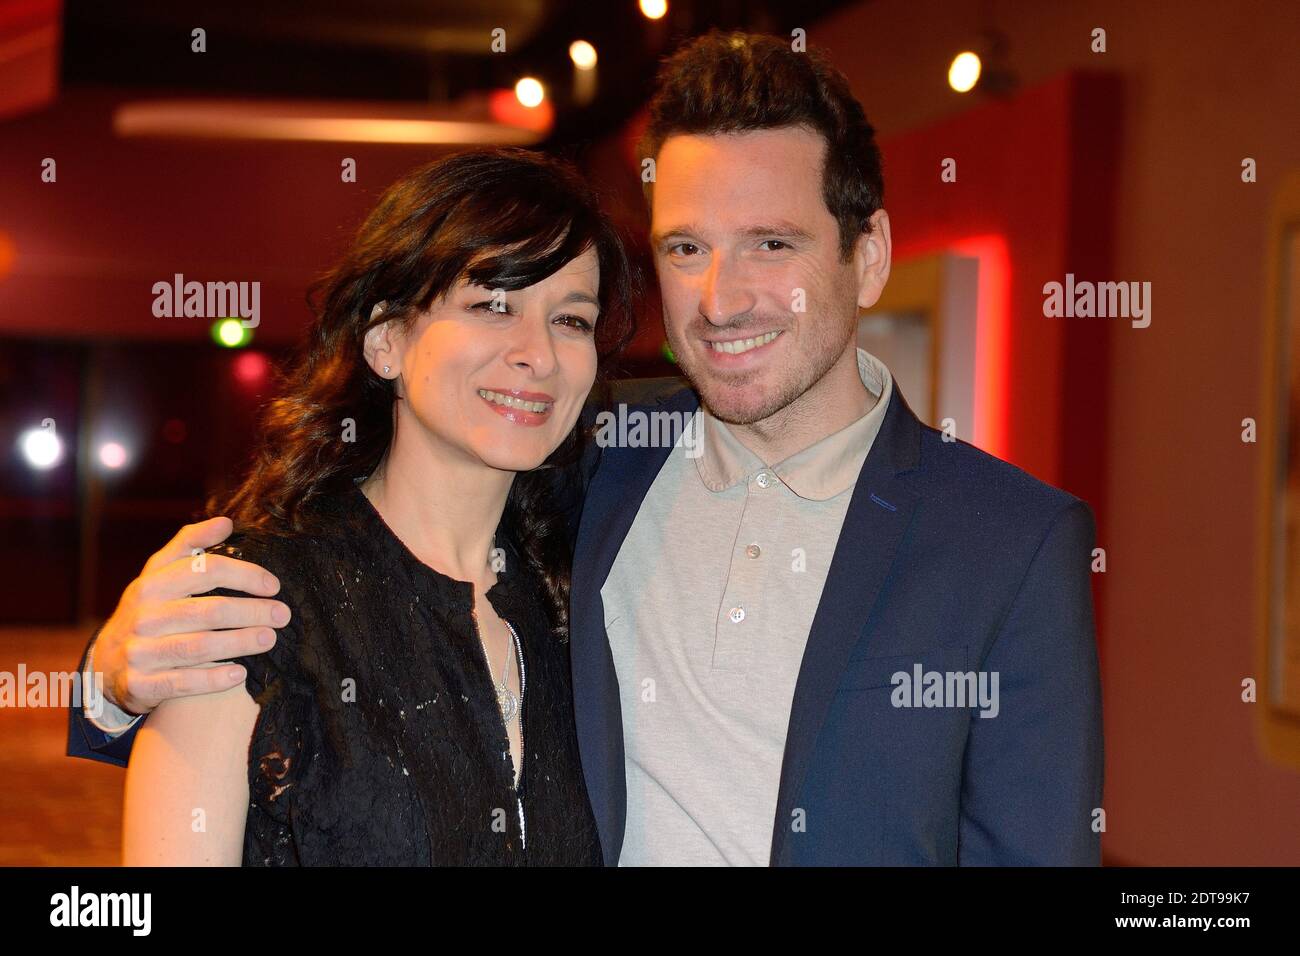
<point x="518" y="406"/>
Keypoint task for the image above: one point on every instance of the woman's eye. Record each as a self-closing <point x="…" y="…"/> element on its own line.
<point x="684" y="248"/>
<point x="575" y="321"/>
<point x="492" y="305"/>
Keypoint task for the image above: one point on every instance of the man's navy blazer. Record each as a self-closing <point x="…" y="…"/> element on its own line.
<point x="949" y="559"/>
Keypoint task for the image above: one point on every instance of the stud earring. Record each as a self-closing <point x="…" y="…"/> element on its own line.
<point x="387" y="369"/>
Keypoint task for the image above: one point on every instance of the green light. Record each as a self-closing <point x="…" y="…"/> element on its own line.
<point x="231" y="333"/>
<point x="667" y="353"/>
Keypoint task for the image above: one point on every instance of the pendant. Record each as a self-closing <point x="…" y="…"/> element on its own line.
<point x="508" y="703"/>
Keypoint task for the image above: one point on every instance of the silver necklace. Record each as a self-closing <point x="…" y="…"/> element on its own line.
<point x="507" y="701"/>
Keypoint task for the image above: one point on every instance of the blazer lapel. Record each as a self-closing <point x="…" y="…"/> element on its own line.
<point x="619" y="486"/>
<point x="879" y="514"/>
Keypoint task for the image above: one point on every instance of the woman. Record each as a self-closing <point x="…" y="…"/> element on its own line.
<point x="410" y="493"/>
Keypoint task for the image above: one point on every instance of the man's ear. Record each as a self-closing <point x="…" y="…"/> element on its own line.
<point x="871" y="259"/>
<point x="380" y="346"/>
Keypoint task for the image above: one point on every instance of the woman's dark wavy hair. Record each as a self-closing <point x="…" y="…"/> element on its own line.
<point x="502" y="218"/>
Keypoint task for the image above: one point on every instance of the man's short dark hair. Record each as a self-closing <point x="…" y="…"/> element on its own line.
<point x="733" y="82"/>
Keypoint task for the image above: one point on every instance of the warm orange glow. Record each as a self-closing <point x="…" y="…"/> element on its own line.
<point x="314" y="121"/>
<point x="7" y="254"/>
<point x="505" y="108"/>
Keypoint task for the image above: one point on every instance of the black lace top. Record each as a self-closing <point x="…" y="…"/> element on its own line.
<point x="379" y="741"/>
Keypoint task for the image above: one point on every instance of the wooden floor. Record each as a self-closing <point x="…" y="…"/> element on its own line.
<point x="54" y="810"/>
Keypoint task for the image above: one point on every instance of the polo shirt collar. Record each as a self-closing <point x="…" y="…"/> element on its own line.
<point x="822" y="470"/>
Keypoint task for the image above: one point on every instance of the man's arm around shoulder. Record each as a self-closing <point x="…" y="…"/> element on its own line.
<point x="170" y="626"/>
<point x="98" y="729"/>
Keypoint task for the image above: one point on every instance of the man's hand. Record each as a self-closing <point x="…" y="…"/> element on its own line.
<point x="159" y="640"/>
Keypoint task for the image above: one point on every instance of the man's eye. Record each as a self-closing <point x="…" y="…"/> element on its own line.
<point x="575" y="321"/>
<point x="776" y="242"/>
<point x="683" y="248"/>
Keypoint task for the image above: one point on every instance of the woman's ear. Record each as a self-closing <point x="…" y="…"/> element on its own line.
<point x="379" y="345"/>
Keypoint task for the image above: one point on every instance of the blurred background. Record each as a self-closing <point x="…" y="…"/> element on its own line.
<point x="1024" y="143"/>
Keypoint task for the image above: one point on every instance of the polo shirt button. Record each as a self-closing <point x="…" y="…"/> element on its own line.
<point x="737" y="614"/>
<point x="753" y="551"/>
<point x="763" y="479"/>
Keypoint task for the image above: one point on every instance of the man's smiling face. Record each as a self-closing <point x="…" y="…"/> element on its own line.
<point x="758" y="303"/>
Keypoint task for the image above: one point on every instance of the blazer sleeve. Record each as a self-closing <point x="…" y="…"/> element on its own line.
<point x="87" y="740"/>
<point x="1032" y="774"/>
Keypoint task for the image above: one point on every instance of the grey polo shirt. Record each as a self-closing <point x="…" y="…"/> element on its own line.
<point x="708" y="606"/>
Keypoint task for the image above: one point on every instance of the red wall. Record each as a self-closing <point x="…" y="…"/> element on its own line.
<point x="125" y="214"/>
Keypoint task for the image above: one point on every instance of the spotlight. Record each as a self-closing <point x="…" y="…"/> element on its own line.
<point x="583" y="54"/>
<point x="530" y="92"/>
<point x="41" y="447"/>
<point x="654" y="9"/>
<point x="985" y="67"/>
<point x="964" y="72"/>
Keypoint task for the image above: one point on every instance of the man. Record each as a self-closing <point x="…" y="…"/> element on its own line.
<point x="832" y="637"/>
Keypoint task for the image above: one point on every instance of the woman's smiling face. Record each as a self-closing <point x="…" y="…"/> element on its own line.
<point x="496" y="376"/>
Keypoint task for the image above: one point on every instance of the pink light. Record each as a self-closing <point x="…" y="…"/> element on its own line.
<point x="251" y="368"/>
<point x="992" y="340"/>
<point x="112" y="455"/>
